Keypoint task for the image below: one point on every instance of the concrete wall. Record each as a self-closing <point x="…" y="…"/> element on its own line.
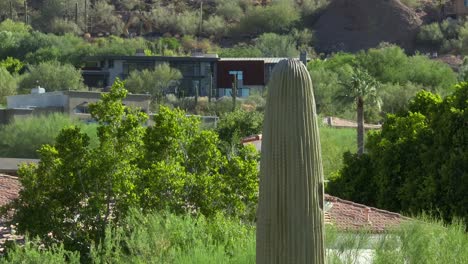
<point x="76" y="98"/>
<point x="52" y="99"/>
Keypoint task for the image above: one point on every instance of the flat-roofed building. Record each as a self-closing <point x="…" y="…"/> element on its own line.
<point x="198" y="72"/>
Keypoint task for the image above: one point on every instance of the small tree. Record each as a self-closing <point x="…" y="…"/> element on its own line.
<point x="361" y="88"/>
<point x="154" y="82"/>
<point x="76" y="191"/>
<point x="54" y="76"/>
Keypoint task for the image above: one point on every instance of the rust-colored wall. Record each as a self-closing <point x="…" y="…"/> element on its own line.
<point x="253" y="72"/>
<point x="457" y="7"/>
<point x="461" y="8"/>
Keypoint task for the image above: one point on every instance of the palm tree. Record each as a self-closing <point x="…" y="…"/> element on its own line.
<point x="360" y="88"/>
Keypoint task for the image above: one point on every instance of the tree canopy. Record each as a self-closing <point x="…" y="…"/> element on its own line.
<point x="79" y="189"/>
<point x="417" y="162"/>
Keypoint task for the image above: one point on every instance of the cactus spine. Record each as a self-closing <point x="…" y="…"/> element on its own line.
<point x="289" y="217"/>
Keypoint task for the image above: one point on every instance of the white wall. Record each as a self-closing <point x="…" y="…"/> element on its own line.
<point x="52" y="99"/>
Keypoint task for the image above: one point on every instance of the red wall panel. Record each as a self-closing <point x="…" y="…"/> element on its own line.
<point x="253" y="72"/>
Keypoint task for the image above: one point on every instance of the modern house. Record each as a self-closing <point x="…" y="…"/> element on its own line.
<point x="210" y="75"/>
<point x="197" y="71"/>
<point x="456" y="8"/>
<point x="73" y="103"/>
<point x="251" y="74"/>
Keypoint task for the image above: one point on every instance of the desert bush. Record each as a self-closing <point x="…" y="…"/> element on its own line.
<point x="33" y="252"/>
<point x="8" y="85"/>
<point x="13" y="26"/>
<point x="214" y="26"/>
<point x="25" y="135"/>
<point x="273" y="45"/>
<point x="154" y="82"/>
<point x="54" y="76"/>
<point x="103" y="19"/>
<point x="62" y="27"/>
<point x="258" y="20"/>
<point x="231" y="11"/>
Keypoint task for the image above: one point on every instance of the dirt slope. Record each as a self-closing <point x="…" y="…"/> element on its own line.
<point x="353" y="25"/>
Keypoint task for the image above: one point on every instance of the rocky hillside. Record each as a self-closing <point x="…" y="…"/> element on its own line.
<point x="352" y="25"/>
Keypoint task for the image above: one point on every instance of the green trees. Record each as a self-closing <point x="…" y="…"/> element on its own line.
<point x="8" y="85"/>
<point x="54" y="76"/>
<point x="361" y="88"/>
<point x="417" y="162"/>
<point x="290" y="217"/>
<point x="155" y="81"/>
<point x="234" y="126"/>
<point x="77" y="190"/>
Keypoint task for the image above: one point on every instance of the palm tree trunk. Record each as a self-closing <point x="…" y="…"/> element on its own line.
<point x="360" y="125"/>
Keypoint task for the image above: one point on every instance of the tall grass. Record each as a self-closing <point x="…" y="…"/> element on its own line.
<point x="335" y="142"/>
<point x="167" y="238"/>
<point x="24" y="136"/>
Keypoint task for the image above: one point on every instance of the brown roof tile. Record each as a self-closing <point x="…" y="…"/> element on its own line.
<point x="347" y="215"/>
<point x="9" y="189"/>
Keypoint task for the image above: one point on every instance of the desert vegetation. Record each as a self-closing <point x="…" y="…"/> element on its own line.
<point x="180" y="192"/>
<point x="167" y="238"/>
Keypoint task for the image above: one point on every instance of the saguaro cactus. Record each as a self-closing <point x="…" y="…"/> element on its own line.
<point x="289" y="217"/>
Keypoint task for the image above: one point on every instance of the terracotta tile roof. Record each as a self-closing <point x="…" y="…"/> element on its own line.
<point x="347" y="215"/>
<point x="9" y="189"/>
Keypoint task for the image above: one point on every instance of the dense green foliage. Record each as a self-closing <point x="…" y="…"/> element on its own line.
<point x="418" y="162"/>
<point x="77" y="190"/>
<point x="401" y="76"/>
<point x="447" y="36"/>
<point x="25" y="135"/>
<point x="167" y="238"/>
<point x="8" y="85"/>
<point x="154" y="82"/>
<point x="236" y="125"/>
<point x="53" y="76"/>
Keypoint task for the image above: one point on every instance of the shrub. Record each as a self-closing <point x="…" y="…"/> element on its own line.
<point x="8" y="85"/>
<point x="273" y="45"/>
<point x="215" y="26"/>
<point x="54" y="76"/>
<point x="234" y="126"/>
<point x="277" y="18"/>
<point x="62" y="27"/>
<point x="154" y="82"/>
<point x="12" y="65"/>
